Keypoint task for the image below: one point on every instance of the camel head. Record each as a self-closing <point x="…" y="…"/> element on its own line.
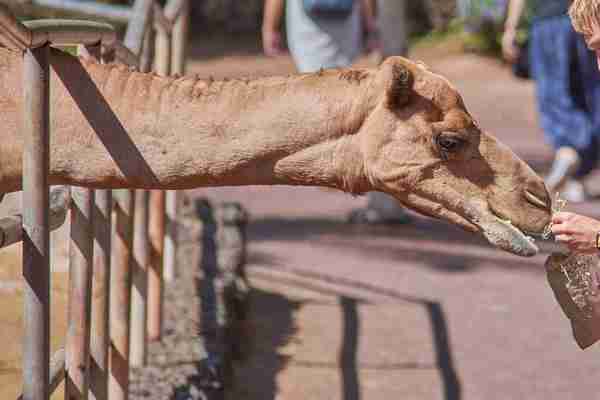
<point x="421" y="145"/>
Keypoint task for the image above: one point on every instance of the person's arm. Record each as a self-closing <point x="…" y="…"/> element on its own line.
<point x="515" y="12"/>
<point x="369" y="18"/>
<point x="271" y="27"/>
<point x="579" y="233"/>
<point x="369" y="14"/>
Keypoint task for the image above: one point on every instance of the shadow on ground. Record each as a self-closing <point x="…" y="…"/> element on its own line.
<point x="418" y="241"/>
<point x="274" y="327"/>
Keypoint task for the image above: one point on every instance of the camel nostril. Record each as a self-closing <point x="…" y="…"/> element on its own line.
<point x="539" y="198"/>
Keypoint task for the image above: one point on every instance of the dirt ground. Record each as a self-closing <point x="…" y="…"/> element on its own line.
<point x="421" y="311"/>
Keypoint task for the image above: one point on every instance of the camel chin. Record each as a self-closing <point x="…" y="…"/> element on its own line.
<point x="508" y="237"/>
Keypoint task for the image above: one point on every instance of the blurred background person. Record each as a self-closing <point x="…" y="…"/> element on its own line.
<point x="567" y="89"/>
<point x="324" y="38"/>
<point x="333" y="34"/>
<point x="391" y="16"/>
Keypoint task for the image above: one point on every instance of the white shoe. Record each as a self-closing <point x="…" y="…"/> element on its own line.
<point x="573" y="191"/>
<point x="566" y="162"/>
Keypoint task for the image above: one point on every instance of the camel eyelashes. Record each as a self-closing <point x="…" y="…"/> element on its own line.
<point x="449" y="144"/>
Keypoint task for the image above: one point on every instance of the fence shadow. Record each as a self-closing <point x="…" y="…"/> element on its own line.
<point x="103" y="120"/>
<point x="273" y="327"/>
<point x="273" y="315"/>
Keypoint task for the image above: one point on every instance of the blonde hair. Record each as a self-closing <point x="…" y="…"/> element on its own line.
<point x="584" y="15"/>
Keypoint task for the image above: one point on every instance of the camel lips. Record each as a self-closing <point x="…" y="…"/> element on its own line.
<point x="531" y="239"/>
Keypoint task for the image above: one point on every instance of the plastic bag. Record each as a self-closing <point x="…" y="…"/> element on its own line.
<point x="575" y="281"/>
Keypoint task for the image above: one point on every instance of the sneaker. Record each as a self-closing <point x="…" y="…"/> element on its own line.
<point x="573" y="191"/>
<point x="566" y="162"/>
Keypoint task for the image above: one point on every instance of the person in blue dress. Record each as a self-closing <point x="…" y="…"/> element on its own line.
<point x="567" y="88"/>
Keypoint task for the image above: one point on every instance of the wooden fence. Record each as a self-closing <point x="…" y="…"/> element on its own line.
<point x="95" y="362"/>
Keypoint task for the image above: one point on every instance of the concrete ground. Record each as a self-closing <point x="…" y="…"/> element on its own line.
<point x="421" y="311"/>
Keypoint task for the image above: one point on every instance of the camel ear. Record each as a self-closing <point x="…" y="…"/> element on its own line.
<point x="400" y="86"/>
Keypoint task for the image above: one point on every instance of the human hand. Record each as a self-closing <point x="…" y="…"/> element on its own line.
<point x="272" y="42"/>
<point x="576" y="231"/>
<point x="510" y="50"/>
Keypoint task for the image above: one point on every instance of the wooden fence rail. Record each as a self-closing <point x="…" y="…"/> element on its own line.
<point x="11" y="230"/>
<point x="101" y="276"/>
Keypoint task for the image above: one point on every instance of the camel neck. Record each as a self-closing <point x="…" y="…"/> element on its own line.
<point x="278" y="130"/>
<point x="112" y="127"/>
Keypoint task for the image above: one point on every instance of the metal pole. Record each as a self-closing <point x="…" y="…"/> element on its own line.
<point x="120" y="295"/>
<point x="36" y="266"/>
<point x="100" y="298"/>
<point x="139" y="287"/>
<point x="179" y="36"/>
<point x="81" y="256"/>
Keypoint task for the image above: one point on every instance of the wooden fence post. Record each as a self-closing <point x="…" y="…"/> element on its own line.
<point x="157" y="210"/>
<point x="179" y="39"/>
<point x="179" y="36"/>
<point x="80" y="294"/>
<point x="163" y="51"/>
<point x="100" y="296"/>
<point x="157" y="240"/>
<point x="101" y="219"/>
<point x="141" y="241"/>
<point x="139" y="286"/>
<point x="120" y="295"/>
<point x="36" y="266"/>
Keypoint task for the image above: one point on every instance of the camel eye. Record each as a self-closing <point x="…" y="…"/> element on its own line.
<point x="449" y="144"/>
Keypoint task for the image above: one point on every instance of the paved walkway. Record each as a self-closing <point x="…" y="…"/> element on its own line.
<point x="423" y="311"/>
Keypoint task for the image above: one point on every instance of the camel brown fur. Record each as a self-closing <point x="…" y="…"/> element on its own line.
<point x="399" y="128"/>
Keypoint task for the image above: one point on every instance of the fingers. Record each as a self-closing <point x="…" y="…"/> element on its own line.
<point x="562" y="229"/>
<point x="563" y="238"/>
<point x="560" y="217"/>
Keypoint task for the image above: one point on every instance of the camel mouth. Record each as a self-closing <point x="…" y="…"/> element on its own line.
<point x="498" y="230"/>
<point x="479" y="217"/>
<point x="503" y="234"/>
